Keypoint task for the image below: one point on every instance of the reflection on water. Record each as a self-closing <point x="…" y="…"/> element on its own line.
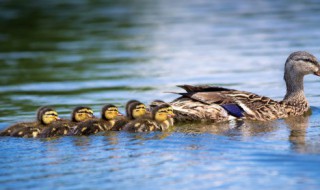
<point x="298" y="129"/>
<point x="69" y="53"/>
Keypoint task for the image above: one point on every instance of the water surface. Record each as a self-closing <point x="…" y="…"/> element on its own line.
<point x="69" y="53"/>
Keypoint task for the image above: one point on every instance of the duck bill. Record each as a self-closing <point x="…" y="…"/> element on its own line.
<point x="120" y="114"/>
<point x="171" y="115"/>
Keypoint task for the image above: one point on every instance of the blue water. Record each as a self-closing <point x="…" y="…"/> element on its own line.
<point x="69" y="53"/>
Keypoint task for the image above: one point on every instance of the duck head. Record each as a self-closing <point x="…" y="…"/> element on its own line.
<point x="170" y="111"/>
<point x="128" y="105"/>
<point x="109" y="112"/>
<point x="81" y="113"/>
<point x="298" y="65"/>
<point x="301" y="63"/>
<point x="47" y="115"/>
<point x="162" y="113"/>
<point x="136" y="110"/>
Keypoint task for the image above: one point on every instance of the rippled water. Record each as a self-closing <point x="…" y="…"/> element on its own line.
<point x="68" y="53"/>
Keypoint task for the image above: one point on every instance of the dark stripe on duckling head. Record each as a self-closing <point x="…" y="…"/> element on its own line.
<point x="76" y="110"/>
<point x="233" y="109"/>
<point x="41" y="111"/>
<point x="129" y="104"/>
<point x="105" y="108"/>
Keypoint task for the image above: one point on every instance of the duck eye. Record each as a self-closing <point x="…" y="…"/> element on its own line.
<point x="162" y="111"/>
<point x="308" y="60"/>
<point x="52" y="114"/>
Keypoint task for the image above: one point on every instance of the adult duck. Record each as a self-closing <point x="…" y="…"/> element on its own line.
<point x="216" y="104"/>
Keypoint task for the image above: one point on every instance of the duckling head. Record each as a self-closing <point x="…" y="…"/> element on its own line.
<point x="128" y="105"/>
<point x="109" y="112"/>
<point x="156" y="103"/>
<point x="162" y="113"/>
<point x="47" y="115"/>
<point x="81" y="113"/>
<point x="137" y="110"/>
<point x="170" y="111"/>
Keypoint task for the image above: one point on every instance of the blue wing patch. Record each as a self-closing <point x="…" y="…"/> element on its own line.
<point x="233" y="109"/>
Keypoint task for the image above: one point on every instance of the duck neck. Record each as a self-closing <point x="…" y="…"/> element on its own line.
<point x="164" y="124"/>
<point x="295" y="90"/>
<point x="112" y="122"/>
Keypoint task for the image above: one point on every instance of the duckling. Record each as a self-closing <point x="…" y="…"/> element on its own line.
<point x="134" y="110"/>
<point x="45" y="116"/>
<point x="64" y="127"/>
<point x="108" y="114"/>
<point x="156" y="103"/>
<point x="158" y="122"/>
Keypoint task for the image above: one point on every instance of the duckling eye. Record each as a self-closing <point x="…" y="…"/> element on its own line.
<point x="52" y="114"/>
<point x="162" y="111"/>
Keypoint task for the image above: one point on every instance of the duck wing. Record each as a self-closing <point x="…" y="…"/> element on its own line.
<point x="56" y="129"/>
<point x="219" y="95"/>
<point x="120" y="122"/>
<point x="236" y="103"/>
<point x="202" y="88"/>
<point x="208" y="97"/>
